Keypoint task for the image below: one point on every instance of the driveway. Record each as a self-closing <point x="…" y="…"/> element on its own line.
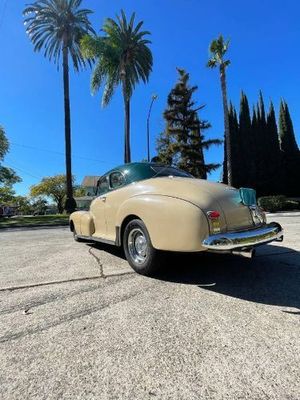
<point x="77" y="323"/>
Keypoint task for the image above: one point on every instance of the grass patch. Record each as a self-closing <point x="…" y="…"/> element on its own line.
<point x="20" y="221"/>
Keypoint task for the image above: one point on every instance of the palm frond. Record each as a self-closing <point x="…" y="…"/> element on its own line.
<point x="122" y="56"/>
<point x="109" y="89"/>
<point x="54" y="24"/>
<point x="212" y="63"/>
<point x="217" y="49"/>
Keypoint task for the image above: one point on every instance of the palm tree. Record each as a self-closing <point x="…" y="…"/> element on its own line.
<point x="123" y="58"/>
<point x="218" y="49"/>
<point x="56" y="27"/>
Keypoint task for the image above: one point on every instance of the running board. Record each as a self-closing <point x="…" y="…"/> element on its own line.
<point x="97" y="239"/>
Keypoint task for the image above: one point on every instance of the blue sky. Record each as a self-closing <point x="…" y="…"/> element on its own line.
<point x="264" y="54"/>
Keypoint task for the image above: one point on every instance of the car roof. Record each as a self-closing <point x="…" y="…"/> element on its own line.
<point x="137" y="170"/>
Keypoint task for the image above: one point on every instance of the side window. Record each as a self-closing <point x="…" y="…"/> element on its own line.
<point x="116" y="180"/>
<point x="103" y="186"/>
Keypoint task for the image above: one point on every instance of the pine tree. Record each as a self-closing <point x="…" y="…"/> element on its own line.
<point x="290" y="152"/>
<point x="195" y="163"/>
<point x="164" y="147"/>
<point x="182" y="142"/>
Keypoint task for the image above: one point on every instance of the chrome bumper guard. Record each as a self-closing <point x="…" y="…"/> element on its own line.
<point x="244" y="240"/>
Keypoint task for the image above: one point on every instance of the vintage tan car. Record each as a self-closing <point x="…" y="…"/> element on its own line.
<point x="148" y="208"/>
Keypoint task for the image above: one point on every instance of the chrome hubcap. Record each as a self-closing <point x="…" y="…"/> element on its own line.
<point x="137" y="245"/>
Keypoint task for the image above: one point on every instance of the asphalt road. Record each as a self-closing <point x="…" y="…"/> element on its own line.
<point x="84" y="326"/>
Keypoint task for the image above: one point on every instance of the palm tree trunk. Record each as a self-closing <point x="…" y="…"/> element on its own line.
<point x="127" y="152"/>
<point x="226" y="123"/>
<point x="70" y="204"/>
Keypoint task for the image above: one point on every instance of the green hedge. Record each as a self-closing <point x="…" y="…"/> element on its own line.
<point x="277" y="203"/>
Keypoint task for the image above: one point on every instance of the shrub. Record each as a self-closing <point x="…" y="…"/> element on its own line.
<point x="277" y="203"/>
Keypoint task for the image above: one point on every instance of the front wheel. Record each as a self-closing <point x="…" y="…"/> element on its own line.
<point x="140" y="253"/>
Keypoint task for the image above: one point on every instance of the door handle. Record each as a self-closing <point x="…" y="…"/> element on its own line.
<point x="103" y="199"/>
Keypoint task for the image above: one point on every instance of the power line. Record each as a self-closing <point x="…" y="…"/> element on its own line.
<point x="58" y="153"/>
<point x="24" y="172"/>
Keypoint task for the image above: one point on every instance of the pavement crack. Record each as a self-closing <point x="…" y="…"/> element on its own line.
<point x="47" y="299"/>
<point x="99" y="263"/>
<point x="69" y="318"/>
<point x="38" y="284"/>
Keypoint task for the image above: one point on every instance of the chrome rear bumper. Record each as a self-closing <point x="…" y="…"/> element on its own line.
<point x="230" y="241"/>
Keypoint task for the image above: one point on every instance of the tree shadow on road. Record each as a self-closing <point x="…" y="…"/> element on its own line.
<point x="272" y="277"/>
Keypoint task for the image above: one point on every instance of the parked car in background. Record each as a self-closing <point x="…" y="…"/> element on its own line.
<point x="148" y="208"/>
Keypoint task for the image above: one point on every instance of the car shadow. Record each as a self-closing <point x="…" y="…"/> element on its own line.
<point x="113" y="250"/>
<point x="272" y="277"/>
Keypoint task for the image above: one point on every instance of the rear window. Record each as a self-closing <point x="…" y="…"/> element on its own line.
<point x="160" y="170"/>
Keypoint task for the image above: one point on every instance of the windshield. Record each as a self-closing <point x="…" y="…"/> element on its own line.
<point x="161" y="170"/>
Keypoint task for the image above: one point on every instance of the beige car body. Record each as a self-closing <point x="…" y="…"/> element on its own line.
<point x="174" y="210"/>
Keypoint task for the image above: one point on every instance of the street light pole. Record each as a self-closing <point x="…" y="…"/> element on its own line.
<point x="154" y="97"/>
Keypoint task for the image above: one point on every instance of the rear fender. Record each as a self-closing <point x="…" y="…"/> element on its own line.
<point x="173" y="224"/>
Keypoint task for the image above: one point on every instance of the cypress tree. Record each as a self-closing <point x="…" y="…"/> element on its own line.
<point x="235" y="145"/>
<point x="254" y="119"/>
<point x="261" y="108"/>
<point x="262" y="152"/>
<point x="255" y="136"/>
<point x="247" y="145"/>
<point x="225" y="170"/>
<point x="272" y="154"/>
<point x="290" y="152"/>
<point x="233" y="132"/>
<point x="288" y="142"/>
<point x="182" y="142"/>
<point x="259" y="159"/>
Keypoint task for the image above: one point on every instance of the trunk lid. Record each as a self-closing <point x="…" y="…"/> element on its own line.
<point x="234" y="215"/>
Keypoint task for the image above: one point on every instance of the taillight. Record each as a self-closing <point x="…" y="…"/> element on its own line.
<point x="214" y="221"/>
<point x="213" y="214"/>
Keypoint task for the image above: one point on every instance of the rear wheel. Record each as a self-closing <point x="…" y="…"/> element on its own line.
<point x="140" y="253"/>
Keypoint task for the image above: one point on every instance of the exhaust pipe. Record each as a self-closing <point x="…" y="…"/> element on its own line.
<point x="247" y="253"/>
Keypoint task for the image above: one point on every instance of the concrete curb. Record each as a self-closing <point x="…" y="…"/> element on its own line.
<point x="284" y="214"/>
<point x="32" y="226"/>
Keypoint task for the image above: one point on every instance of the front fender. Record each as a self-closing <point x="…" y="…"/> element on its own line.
<point x="83" y="223"/>
<point x="173" y="224"/>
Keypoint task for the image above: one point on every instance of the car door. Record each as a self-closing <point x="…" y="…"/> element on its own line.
<point x="117" y="194"/>
<point x="97" y="208"/>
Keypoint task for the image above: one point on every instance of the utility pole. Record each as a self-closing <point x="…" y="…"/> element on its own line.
<point x="154" y="97"/>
